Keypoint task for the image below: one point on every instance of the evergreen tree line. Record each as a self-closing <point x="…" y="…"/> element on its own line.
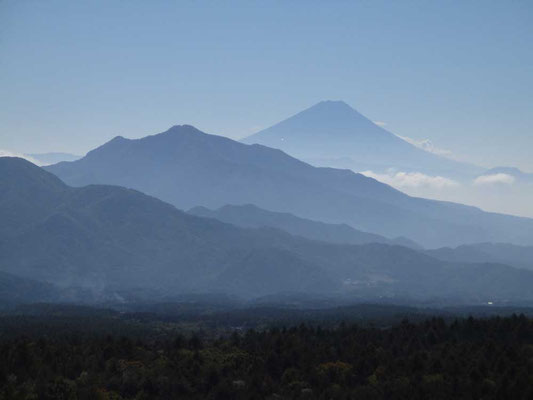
<point x="464" y="359"/>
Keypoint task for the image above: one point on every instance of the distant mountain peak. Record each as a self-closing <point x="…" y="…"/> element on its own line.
<point x="332" y="133"/>
<point x="328" y="127"/>
<point x="335" y="108"/>
<point x="179" y="132"/>
<point x="175" y="131"/>
<point x="182" y="128"/>
<point x="333" y="104"/>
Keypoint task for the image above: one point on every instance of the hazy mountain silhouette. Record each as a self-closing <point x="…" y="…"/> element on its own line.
<point x="331" y="133"/>
<point x="53" y="158"/>
<point x="188" y="168"/>
<point x="104" y="236"/>
<point x="251" y="216"/>
<point x="505" y="253"/>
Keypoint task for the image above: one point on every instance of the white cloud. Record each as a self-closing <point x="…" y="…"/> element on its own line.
<point x="426" y="145"/>
<point x="500" y="178"/>
<point x="380" y="123"/>
<point x="405" y="180"/>
<point x="7" y="153"/>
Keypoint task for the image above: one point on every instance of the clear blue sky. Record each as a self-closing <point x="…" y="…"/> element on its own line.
<point x="74" y="74"/>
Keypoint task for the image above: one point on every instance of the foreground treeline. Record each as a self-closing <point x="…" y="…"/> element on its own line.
<point x="465" y="359"/>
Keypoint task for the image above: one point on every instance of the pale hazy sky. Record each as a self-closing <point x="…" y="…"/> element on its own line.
<point x="75" y="74"/>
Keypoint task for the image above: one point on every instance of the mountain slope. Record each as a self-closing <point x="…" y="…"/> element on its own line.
<point x="25" y="195"/>
<point x="250" y="216"/>
<point x="99" y="236"/>
<point x="14" y="289"/>
<point x="105" y="237"/>
<point x="188" y="168"/>
<point x="504" y="253"/>
<point x="331" y="133"/>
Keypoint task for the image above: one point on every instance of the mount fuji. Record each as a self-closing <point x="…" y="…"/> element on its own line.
<point x="333" y="134"/>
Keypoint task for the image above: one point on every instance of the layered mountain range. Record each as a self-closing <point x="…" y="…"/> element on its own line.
<point x="187" y="168"/>
<point x="107" y="237"/>
<point x="251" y="216"/>
<point x="503" y="253"/>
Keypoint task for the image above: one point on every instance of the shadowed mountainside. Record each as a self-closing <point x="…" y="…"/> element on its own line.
<point x="103" y="237"/>
<point x="250" y="216"/>
<point x="504" y="253"/>
<point x="14" y="289"/>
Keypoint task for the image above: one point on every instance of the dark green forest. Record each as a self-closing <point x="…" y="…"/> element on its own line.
<point x="106" y="358"/>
